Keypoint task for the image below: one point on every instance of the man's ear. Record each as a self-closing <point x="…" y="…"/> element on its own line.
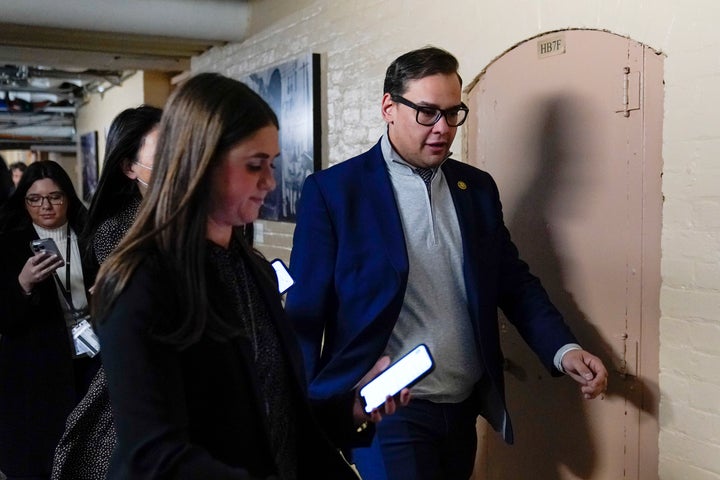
<point x="388" y="109"/>
<point x="127" y="168"/>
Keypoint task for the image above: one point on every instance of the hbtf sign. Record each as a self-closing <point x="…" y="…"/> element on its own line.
<point x="551" y="45"/>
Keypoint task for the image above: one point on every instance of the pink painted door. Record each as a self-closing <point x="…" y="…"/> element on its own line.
<point x="569" y="124"/>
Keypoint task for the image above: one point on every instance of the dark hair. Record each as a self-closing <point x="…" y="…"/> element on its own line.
<point x="14" y="215"/>
<point x="418" y="64"/>
<point x="17" y="166"/>
<point x="203" y="119"/>
<point x="115" y="189"/>
<point x="6" y="183"/>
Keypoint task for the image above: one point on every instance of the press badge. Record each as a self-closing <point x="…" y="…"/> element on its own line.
<point x="84" y="339"/>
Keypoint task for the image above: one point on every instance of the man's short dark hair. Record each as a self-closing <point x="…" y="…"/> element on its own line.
<point x="418" y="64"/>
<point x="18" y="166"/>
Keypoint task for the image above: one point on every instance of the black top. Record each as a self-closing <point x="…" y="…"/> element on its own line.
<point x="208" y="410"/>
<point x="242" y="294"/>
<point x="113" y="229"/>
<point x="40" y="383"/>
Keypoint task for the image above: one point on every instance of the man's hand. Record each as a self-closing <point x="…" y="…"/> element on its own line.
<point x="391" y="403"/>
<point x="588" y="370"/>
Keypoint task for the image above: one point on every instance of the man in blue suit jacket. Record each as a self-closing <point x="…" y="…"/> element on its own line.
<point x="403" y="245"/>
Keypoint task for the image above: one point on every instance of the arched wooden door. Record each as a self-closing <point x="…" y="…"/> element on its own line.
<point x="569" y="124"/>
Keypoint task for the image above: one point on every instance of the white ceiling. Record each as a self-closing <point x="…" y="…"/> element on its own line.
<point x="53" y="51"/>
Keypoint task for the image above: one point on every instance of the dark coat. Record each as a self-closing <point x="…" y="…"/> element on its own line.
<point x="40" y="383"/>
<point x="196" y="413"/>
<point x="350" y="266"/>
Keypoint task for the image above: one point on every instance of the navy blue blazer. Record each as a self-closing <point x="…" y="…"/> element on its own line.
<point x="350" y="266"/>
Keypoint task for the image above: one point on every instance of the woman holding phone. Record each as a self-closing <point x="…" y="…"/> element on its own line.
<point x="43" y="372"/>
<point x="204" y="373"/>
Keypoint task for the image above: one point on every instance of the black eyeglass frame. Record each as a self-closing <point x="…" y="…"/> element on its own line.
<point x="58" y="201"/>
<point x="439" y="112"/>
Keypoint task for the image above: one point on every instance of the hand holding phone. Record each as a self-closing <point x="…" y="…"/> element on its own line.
<point x="406" y="372"/>
<point x="41" y="265"/>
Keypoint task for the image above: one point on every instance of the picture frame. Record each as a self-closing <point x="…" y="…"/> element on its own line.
<point x="292" y="89"/>
<point x="89" y="163"/>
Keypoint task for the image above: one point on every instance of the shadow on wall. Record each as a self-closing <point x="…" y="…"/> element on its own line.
<point x="546" y="412"/>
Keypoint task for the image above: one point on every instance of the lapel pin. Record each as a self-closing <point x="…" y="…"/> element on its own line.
<point x="462" y="185"/>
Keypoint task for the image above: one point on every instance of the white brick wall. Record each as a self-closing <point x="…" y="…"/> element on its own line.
<point x="357" y="39"/>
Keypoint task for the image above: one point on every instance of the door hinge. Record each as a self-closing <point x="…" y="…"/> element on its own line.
<point x="630" y="94"/>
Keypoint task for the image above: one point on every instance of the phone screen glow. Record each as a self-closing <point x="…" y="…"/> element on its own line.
<point x="285" y="281"/>
<point x="396" y="377"/>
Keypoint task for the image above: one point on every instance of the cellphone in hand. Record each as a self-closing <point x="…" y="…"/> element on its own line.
<point x="45" y="245"/>
<point x="285" y="281"/>
<point x="406" y="372"/>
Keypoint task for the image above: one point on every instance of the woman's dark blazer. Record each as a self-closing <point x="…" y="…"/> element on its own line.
<point x="40" y="383"/>
<point x="195" y="413"/>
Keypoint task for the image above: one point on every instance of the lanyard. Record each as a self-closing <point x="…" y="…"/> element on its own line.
<point x="67" y="292"/>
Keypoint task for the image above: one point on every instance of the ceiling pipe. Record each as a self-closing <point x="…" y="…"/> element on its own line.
<point x="226" y="20"/>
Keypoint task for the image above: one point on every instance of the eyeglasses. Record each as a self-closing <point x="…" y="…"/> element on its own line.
<point x="429" y="116"/>
<point x="55" y="198"/>
<point x="142" y="165"/>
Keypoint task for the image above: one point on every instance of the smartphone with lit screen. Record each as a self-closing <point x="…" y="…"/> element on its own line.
<point x="285" y="281"/>
<point x="404" y="373"/>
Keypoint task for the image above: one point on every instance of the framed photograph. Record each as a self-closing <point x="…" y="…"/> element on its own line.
<point x="292" y="89"/>
<point x="89" y="159"/>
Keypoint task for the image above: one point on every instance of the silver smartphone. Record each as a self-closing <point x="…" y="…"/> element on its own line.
<point x="45" y="245"/>
<point x="285" y="281"/>
<point x="404" y="373"/>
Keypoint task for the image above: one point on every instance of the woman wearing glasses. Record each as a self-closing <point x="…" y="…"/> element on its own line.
<point x="43" y="372"/>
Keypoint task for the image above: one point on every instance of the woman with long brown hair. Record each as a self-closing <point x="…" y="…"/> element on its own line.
<point x="204" y="373"/>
